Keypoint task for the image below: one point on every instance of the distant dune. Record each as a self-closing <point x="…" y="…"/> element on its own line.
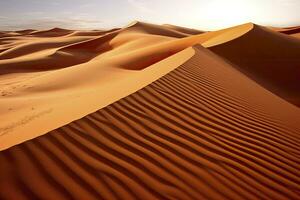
<point x="185" y="30"/>
<point x="55" y="32"/>
<point x="150" y="112"/>
<point x="288" y="30"/>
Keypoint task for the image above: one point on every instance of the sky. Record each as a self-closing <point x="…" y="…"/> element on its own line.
<point x="105" y="14"/>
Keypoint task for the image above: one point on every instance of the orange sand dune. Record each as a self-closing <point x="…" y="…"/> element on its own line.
<point x="185" y="30"/>
<point x="295" y="31"/>
<point x="137" y="32"/>
<point x="55" y="32"/>
<point x="56" y="51"/>
<point x="138" y="46"/>
<point x="25" y="32"/>
<point x="8" y="34"/>
<point x="270" y="58"/>
<point x="92" y="33"/>
<point x="156" y="29"/>
<point x="30" y="99"/>
<point x="145" y="112"/>
<point x="287" y="30"/>
<point x="212" y="38"/>
<point x="199" y="132"/>
<point x="292" y="31"/>
<point x="39" y="45"/>
<point x="39" y="76"/>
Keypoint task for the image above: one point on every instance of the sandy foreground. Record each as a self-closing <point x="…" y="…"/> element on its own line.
<point x="150" y="112"/>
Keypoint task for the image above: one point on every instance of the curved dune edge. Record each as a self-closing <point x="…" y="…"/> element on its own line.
<point x="155" y="29"/>
<point x="227" y="35"/>
<point x="70" y="72"/>
<point x="270" y="58"/>
<point x="199" y="132"/>
<point x="138" y="46"/>
<point x="288" y="30"/>
<point x="188" y="31"/>
<point x="213" y="38"/>
<point x="57" y="115"/>
<point x="52" y="53"/>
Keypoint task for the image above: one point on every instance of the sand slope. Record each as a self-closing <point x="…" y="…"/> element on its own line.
<point x="270" y="58"/>
<point x="40" y="75"/>
<point x="199" y="132"/>
<point x="49" y="98"/>
<point x="156" y="29"/>
<point x="185" y="30"/>
<point x="288" y="30"/>
<point x="293" y="31"/>
<point x="55" y="32"/>
<point x="65" y="49"/>
<point x="145" y="112"/>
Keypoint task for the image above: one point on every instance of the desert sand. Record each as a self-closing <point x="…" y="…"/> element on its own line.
<point x="150" y="112"/>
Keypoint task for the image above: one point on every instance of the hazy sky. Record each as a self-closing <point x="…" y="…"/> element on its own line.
<point x="97" y="14"/>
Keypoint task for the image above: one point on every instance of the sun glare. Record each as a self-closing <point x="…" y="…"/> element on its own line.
<point x="228" y="13"/>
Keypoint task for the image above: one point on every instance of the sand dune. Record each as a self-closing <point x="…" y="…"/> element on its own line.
<point x="146" y="112"/>
<point x="38" y="46"/>
<point x="26" y="31"/>
<point x="185" y="30"/>
<point x="214" y="38"/>
<point x="92" y="33"/>
<point x="8" y="34"/>
<point x="192" y="134"/>
<point x="54" y="53"/>
<point x="55" y="32"/>
<point x="30" y="99"/>
<point x="292" y="31"/>
<point x="261" y="50"/>
<point x="287" y="30"/>
<point x="40" y="75"/>
<point x="155" y="29"/>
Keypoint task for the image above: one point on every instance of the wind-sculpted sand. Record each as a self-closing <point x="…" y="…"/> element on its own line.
<point x="269" y="58"/>
<point x="149" y="112"/>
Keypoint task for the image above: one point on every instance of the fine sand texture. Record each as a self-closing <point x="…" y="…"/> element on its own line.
<point x="44" y="75"/>
<point x="202" y="131"/>
<point x="44" y="79"/>
<point x="150" y="112"/>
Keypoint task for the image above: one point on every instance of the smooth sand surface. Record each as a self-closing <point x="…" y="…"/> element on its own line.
<point x="188" y="31"/>
<point x="199" y="132"/>
<point x="150" y="112"/>
<point x="287" y="30"/>
<point x="292" y="31"/>
<point x="269" y="58"/>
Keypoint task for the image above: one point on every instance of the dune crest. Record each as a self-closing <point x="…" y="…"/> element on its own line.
<point x="270" y="58"/>
<point x="46" y="96"/>
<point x="192" y="134"/>
<point x="154" y="29"/>
<point x="54" y="32"/>
<point x="185" y="30"/>
<point x="150" y="112"/>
